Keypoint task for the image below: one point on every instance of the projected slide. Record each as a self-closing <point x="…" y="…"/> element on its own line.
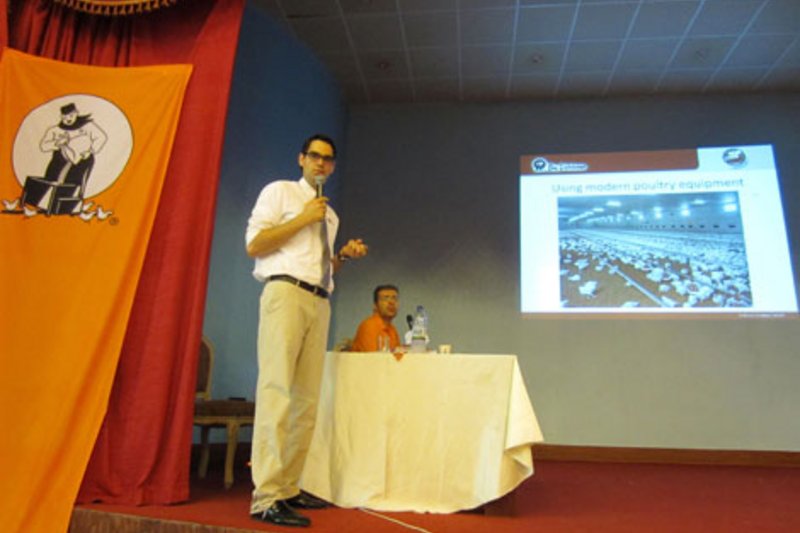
<point x="677" y="231"/>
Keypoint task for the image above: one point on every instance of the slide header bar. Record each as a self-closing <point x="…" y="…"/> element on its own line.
<point x="609" y="162"/>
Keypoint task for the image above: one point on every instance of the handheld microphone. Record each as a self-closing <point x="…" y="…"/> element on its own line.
<point x="320" y="181"/>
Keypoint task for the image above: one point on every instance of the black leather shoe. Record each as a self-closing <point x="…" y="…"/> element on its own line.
<point x="281" y="514"/>
<point x="305" y="500"/>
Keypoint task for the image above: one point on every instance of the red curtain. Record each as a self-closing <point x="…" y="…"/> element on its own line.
<point x="142" y="453"/>
<point x="3" y="23"/>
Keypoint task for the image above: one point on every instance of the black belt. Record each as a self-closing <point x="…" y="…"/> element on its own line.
<point x="313" y="289"/>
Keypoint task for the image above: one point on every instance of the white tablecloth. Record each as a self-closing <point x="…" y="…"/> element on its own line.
<point x="428" y="432"/>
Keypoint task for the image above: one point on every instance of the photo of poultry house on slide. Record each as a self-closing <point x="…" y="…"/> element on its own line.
<point x="653" y="251"/>
<point x="669" y="231"/>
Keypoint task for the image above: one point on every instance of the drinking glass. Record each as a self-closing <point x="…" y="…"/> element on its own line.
<point x="384" y="344"/>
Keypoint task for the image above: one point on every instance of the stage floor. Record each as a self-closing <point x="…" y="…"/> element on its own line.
<point x="561" y="497"/>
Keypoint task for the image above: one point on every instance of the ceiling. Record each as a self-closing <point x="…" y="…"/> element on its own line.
<point x="512" y="50"/>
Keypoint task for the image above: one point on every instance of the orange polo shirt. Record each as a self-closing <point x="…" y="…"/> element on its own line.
<point x="366" y="339"/>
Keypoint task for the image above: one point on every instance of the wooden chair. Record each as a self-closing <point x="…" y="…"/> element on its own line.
<point x="209" y="413"/>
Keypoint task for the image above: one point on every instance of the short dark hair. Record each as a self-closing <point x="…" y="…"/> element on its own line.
<point x="380" y="288"/>
<point x="319" y="137"/>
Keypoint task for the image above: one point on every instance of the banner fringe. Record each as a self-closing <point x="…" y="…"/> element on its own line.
<point x="114" y="8"/>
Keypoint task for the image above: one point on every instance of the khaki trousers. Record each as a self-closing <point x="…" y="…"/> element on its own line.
<point x="292" y="339"/>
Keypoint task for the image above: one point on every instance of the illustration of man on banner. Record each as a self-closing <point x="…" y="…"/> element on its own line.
<point x="74" y="142"/>
<point x="57" y="163"/>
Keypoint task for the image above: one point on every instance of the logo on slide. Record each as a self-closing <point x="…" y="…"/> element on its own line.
<point x="734" y="157"/>
<point x="542" y="164"/>
<point x="539" y="164"/>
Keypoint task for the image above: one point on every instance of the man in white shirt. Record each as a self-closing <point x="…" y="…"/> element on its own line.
<point x="290" y="234"/>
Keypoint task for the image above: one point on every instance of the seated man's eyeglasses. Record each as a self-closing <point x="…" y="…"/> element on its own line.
<point x="317" y="157"/>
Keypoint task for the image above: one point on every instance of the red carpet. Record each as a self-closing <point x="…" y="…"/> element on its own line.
<point x="560" y="497"/>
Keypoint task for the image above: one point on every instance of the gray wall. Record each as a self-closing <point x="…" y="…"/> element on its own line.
<point x="433" y="190"/>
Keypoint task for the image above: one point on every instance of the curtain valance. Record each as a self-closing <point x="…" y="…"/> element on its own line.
<point x="115" y="7"/>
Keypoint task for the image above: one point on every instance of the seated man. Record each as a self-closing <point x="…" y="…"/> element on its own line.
<point x="379" y="325"/>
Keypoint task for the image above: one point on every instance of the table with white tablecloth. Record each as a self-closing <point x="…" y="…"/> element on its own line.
<point x="420" y="432"/>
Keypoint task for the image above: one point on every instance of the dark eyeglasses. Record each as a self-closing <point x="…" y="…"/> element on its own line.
<point x="317" y="157"/>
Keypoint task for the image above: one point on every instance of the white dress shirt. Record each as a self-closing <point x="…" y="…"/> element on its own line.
<point x="300" y="256"/>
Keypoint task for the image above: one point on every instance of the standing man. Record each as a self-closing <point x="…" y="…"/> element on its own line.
<point x="290" y="234"/>
<point x="379" y="324"/>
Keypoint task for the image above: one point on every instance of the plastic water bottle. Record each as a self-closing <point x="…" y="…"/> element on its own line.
<point x="419" y="332"/>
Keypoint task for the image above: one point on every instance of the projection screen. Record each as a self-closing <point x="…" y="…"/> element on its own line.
<point x="670" y="231"/>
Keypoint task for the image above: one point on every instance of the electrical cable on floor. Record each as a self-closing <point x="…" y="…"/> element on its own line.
<point x="396" y="521"/>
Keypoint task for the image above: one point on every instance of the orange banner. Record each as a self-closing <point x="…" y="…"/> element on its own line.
<point x="83" y="156"/>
